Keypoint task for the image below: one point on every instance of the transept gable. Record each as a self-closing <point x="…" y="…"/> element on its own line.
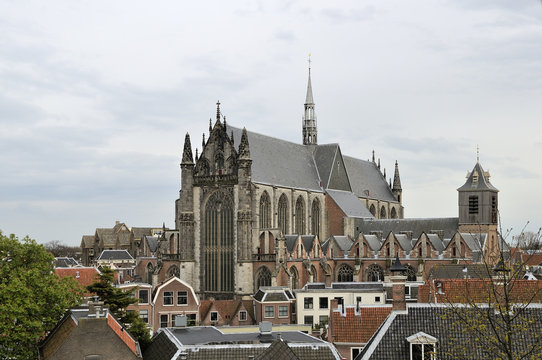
<point x="338" y="179"/>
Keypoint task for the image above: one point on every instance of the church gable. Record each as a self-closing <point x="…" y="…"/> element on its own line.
<point x="218" y="154"/>
<point x="338" y="179"/>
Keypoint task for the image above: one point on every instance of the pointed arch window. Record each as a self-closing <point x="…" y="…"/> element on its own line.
<point x="372" y="209"/>
<point x="218" y="245"/>
<point x="345" y="274"/>
<point x="315" y="218"/>
<point x="173" y="271"/>
<point x="375" y="273"/>
<point x="382" y="212"/>
<point x="295" y="277"/>
<point x="314" y="274"/>
<point x="150" y="270"/>
<point x="300" y="216"/>
<point x="410" y="273"/>
<point x="393" y="213"/>
<point x="283" y="214"/>
<point x="265" y="211"/>
<point x="263" y="277"/>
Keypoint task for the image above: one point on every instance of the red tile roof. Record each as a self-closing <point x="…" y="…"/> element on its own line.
<point x="123" y="334"/>
<point x="353" y="327"/>
<point x="478" y="291"/>
<point x="83" y="275"/>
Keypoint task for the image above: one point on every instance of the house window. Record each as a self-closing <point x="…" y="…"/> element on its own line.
<point x="283" y="311"/>
<point x="307" y="320"/>
<point x="242" y="315"/>
<point x="323" y="303"/>
<point x="473" y="205"/>
<point x="214" y="316"/>
<point x="168" y="297"/>
<point x="323" y="319"/>
<point x="144" y="314"/>
<point x="407" y="292"/>
<point x="163" y="320"/>
<point x="182" y="297"/>
<point x="422" y="346"/>
<point x="308" y="303"/>
<point x="355" y="352"/>
<point x="377" y="299"/>
<point x="191" y="319"/>
<point x="144" y="296"/>
<point x="422" y="351"/>
<point x="269" y="311"/>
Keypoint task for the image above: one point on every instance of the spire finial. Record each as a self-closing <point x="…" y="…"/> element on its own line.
<point x="309" y="62"/>
<point x="187" y="152"/>
<point x="218" y="110"/>
<point x="373" y="156"/>
<point x="203" y="141"/>
<point x="210" y="126"/>
<point x="477" y="154"/>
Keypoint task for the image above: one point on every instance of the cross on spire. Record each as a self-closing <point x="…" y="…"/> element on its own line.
<point x="309" y="61"/>
<point x="477" y="153"/>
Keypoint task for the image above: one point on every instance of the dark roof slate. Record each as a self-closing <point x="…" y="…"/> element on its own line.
<point x="441" y="322"/>
<point x="448" y="225"/>
<point x="115" y="255"/>
<point x="349" y="203"/>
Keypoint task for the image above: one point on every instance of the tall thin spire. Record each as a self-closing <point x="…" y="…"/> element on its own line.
<point x="396" y="178"/>
<point x="310" y="132"/>
<point x="218" y="111"/>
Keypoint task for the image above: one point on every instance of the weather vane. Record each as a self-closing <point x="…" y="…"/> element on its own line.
<point x="477" y="153"/>
<point x="309" y="61"/>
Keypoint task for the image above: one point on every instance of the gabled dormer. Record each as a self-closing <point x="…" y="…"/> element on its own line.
<point x="391" y="247"/>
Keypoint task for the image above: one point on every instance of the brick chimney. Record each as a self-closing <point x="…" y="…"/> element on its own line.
<point x="398" y="285"/>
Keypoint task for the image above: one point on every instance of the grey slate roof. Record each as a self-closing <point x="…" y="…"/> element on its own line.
<point x="208" y="343"/>
<point x="273" y="293"/>
<point x="374" y="242"/>
<point x="115" y="255"/>
<point x="308" y="241"/>
<point x="344" y="242"/>
<point x="481" y="184"/>
<point x="152" y="241"/>
<point x="390" y="343"/>
<point x="437" y="243"/>
<point x="404" y="241"/>
<point x="88" y="241"/>
<point x="279" y="162"/>
<point x="65" y="262"/>
<point x="365" y="176"/>
<point x="290" y="242"/>
<point x="350" y="204"/>
<point x="474" y="241"/>
<point x="287" y="164"/>
<point x="448" y="225"/>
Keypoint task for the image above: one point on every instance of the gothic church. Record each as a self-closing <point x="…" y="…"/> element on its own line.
<point x="245" y="191"/>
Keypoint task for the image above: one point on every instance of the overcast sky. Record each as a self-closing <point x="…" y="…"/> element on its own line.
<point x="97" y="96"/>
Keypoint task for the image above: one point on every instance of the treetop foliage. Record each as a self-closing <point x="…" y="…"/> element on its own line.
<point x="32" y="297"/>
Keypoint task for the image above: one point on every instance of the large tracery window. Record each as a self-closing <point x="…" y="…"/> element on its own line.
<point x="300" y="216"/>
<point x="263" y="277"/>
<point x="283" y="214"/>
<point x="218" y="244"/>
<point x="382" y="212"/>
<point x="372" y="209"/>
<point x="265" y="211"/>
<point x="393" y="214"/>
<point x="345" y="274"/>
<point x="314" y="277"/>
<point x="375" y="273"/>
<point x="315" y="218"/>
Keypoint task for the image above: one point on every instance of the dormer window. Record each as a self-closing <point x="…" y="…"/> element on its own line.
<point x="422" y="346"/>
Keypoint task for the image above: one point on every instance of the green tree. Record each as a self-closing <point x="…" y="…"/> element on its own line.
<point x="32" y="297"/>
<point x="118" y="300"/>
